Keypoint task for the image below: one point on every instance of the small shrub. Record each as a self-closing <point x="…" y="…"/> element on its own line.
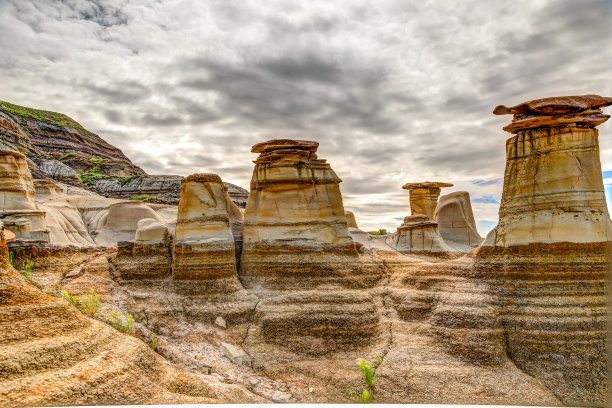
<point x="67" y="155"/>
<point x="27" y="271"/>
<point x="124" y="324"/>
<point x="96" y="161"/>
<point x="90" y="176"/>
<point x="144" y="198"/>
<point x="12" y="258"/>
<point x="381" y="231"/>
<point x="125" y="180"/>
<point x="368" y="372"/>
<point x="92" y="303"/>
<point x="154" y="342"/>
<point x="366" y="395"/>
<point x="74" y="299"/>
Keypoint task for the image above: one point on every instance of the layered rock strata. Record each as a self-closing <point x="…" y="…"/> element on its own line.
<point x="18" y="210"/>
<point x="52" y="355"/>
<point x="549" y="254"/>
<point x="456" y="221"/>
<point x="351" y="222"/>
<point x="294" y="226"/>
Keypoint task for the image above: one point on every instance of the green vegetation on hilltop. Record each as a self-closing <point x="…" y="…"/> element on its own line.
<point x="55" y="118"/>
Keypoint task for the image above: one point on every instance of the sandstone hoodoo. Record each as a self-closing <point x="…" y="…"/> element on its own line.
<point x="550" y="251"/>
<point x="351" y="222"/>
<point x="294" y="217"/>
<point x="18" y="211"/>
<point x="424" y="197"/>
<point x="553" y="186"/>
<point x="456" y="221"/>
<point x="203" y="243"/>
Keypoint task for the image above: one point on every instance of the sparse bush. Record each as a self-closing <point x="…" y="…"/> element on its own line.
<point x="96" y="161"/>
<point x="67" y="155"/>
<point x="154" y="342"/>
<point x="74" y="299"/>
<point x="12" y="258"/>
<point x="146" y="198"/>
<point x="124" y="324"/>
<point x="27" y="271"/>
<point x="125" y="180"/>
<point x="366" y="395"/>
<point x="90" y="176"/>
<point x="92" y="303"/>
<point x="381" y="231"/>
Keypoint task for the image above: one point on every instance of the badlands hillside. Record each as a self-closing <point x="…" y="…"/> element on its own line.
<point x="183" y="298"/>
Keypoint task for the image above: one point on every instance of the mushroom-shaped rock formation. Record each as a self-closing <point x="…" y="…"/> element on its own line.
<point x="18" y="210"/>
<point x="456" y="221"/>
<point x="424" y="197"/>
<point x="419" y="235"/>
<point x="553" y="186"/>
<point x="203" y="243"/>
<point x="351" y="222"/>
<point x="294" y="225"/>
<point x="550" y="253"/>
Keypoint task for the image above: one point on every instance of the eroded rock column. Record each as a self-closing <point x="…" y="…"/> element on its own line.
<point x="424" y="197"/>
<point x="549" y="254"/>
<point x="203" y="243"/>
<point x="456" y="221"/>
<point x="294" y="215"/>
<point x="18" y="210"/>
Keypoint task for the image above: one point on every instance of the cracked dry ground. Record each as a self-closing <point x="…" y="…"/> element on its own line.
<point x="444" y="331"/>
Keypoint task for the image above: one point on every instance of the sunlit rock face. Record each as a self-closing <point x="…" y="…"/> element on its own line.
<point x="456" y="221"/>
<point x="548" y="256"/>
<point x="553" y="187"/>
<point x="18" y="210"/>
<point x="203" y="243"/>
<point x="424" y="197"/>
<point x="294" y="226"/>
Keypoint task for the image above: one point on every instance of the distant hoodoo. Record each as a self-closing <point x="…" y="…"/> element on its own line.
<point x="424" y="197"/>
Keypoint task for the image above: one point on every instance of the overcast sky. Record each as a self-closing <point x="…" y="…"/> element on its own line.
<point x="394" y="91"/>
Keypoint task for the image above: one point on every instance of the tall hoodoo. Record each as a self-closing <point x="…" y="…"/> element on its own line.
<point x="294" y="216"/>
<point x="424" y="197"/>
<point x="553" y="187"/>
<point x="549" y="255"/>
<point x="18" y="210"/>
<point x="203" y="243"/>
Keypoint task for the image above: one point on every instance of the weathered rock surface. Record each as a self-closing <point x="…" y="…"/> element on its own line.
<point x="424" y="197"/>
<point x="553" y="186"/>
<point x="456" y="221"/>
<point x="53" y="355"/>
<point x="18" y="210"/>
<point x="419" y="235"/>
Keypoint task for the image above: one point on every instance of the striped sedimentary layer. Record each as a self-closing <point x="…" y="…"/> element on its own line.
<point x="52" y="355"/>
<point x="446" y="329"/>
<point x="554" y="313"/>
<point x="315" y="323"/>
<point x="419" y="235"/>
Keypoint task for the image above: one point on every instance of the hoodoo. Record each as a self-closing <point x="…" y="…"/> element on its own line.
<point x="553" y="186"/>
<point x="424" y="197"/>
<point x="18" y="211"/>
<point x="203" y="244"/>
<point x="419" y="233"/>
<point x="548" y="253"/>
<point x="294" y="216"/>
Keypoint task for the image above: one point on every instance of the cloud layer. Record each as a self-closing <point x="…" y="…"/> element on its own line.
<point x="393" y="91"/>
